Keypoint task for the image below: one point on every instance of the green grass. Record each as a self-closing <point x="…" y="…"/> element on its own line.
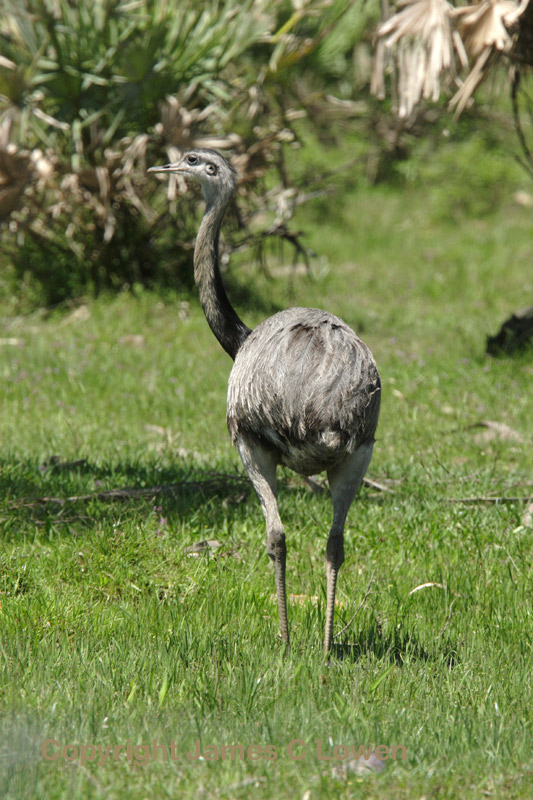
<point x="111" y="634"/>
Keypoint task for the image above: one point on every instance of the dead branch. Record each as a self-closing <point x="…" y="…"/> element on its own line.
<point x="379" y="487"/>
<point x="488" y="499"/>
<point x="217" y="482"/>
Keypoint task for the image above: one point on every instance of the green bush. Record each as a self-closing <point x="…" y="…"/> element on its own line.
<point x="91" y="94"/>
<point x="94" y="92"/>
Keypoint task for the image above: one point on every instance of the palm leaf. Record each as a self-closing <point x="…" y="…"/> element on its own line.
<point x="421" y="35"/>
<point x="430" y="42"/>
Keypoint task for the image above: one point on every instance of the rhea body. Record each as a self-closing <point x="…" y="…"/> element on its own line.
<point x="304" y="390"/>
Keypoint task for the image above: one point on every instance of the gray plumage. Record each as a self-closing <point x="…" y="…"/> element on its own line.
<point x="304" y="390"/>
<point x="304" y="383"/>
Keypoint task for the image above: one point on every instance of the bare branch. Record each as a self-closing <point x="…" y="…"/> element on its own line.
<point x="217" y="482"/>
<point x="488" y="499"/>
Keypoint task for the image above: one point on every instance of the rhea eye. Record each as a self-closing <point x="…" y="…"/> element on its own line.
<point x="192" y="160"/>
<point x="211" y="169"/>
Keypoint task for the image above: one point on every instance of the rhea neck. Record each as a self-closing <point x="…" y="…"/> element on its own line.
<point x="223" y="320"/>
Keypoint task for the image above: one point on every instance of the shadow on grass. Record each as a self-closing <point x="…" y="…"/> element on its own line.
<point x="59" y="492"/>
<point x="399" y="646"/>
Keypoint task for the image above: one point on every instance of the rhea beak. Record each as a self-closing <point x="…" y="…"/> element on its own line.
<point x="166" y="168"/>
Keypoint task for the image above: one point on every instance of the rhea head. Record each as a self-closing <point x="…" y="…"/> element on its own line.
<point x="215" y="175"/>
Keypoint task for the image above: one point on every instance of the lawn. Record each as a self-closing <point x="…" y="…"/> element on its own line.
<point x="124" y="655"/>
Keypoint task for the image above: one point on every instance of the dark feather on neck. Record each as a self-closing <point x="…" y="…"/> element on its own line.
<point x="223" y="320"/>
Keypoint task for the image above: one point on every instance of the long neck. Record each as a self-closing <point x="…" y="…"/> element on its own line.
<point x="223" y="320"/>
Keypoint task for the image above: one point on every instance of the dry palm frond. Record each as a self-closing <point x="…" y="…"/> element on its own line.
<point x="475" y="77"/>
<point x="485" y="30"/>
<point x="421" y="34"/>
<point x="428" y="37"/>
<point x="487" y="24"/>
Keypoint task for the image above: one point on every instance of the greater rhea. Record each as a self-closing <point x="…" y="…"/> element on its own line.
<point x="304" y="390"/>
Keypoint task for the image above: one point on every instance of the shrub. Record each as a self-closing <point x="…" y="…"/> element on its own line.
<point x="93" y="92"/>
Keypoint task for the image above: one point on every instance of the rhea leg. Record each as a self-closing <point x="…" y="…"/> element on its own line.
<point x="260" y="463"/>
<point x="344" y="481"/>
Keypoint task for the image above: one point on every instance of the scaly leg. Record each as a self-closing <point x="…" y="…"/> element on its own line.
<point x="260" y="464"/>
<point x="344" y="481"/>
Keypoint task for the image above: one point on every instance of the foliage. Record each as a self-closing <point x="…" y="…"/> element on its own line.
<point x="92" y="92"/>
<point x="429" y="42"/>
<point x="95" y="85"/>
